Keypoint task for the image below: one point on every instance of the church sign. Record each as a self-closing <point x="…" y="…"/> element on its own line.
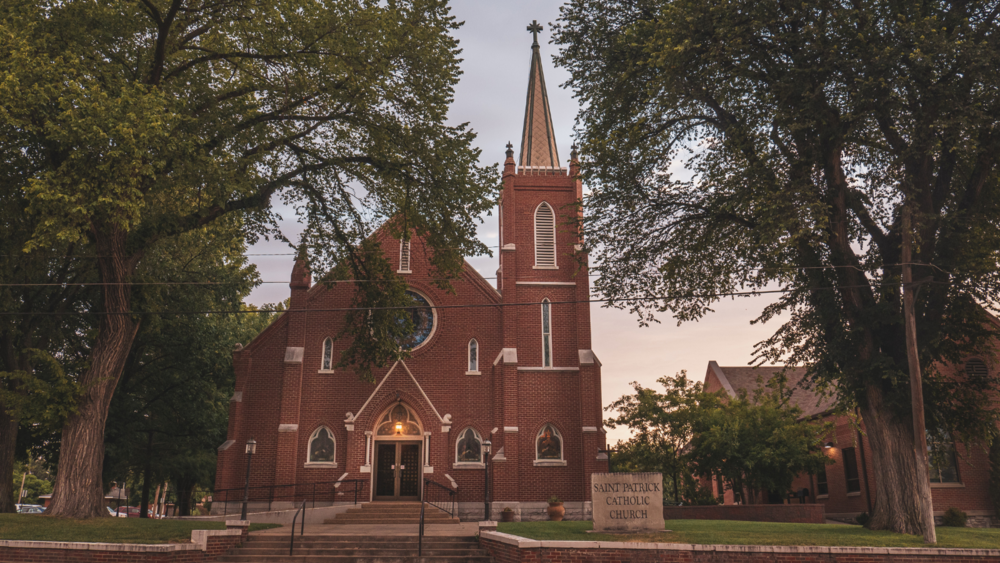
<point x="627" y="502"/>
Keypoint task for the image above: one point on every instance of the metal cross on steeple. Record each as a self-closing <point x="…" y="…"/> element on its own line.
<point x="534" y="28"/>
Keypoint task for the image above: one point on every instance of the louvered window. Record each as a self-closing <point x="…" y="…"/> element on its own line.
<point x="976" y="369"/>
<point x="545" y="236"/>
<point x="404" y="256"/>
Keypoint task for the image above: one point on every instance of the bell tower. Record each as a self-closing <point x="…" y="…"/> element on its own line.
<point x="544" y="284"/>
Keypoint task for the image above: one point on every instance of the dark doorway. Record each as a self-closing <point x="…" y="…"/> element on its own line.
<point x="397" y="471"/>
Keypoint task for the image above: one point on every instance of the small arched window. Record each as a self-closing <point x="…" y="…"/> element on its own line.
<point x="976" y="369"/>
<point x="404" y="256"/>
<point x="473" y="356"/>
<point x="469" y="447"/>
<point x="545" y="236"/>
<point x="548" y="444"/>
<point x="546" y="333"/>
<point x="322" y="447"/>
<point x="327" y="364"/>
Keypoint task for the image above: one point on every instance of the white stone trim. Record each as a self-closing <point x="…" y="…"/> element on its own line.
<point x="508" y="355"/>
<point x="721" y="375"/>
<point x="468" y="465"/>
<point x="473" y="373"/>
<point x="288" y="428"/>
<point x="587" y="357"/>
<point x="237" y="397"/>
<point x="510" y="429"/>
<point x="293" y="354"/>
<point x="550" y="463"/>
<point x="509" y="247"/>
<point x="573" y="284"/>
<point x="542" y="368"/>
<point x="590" y="429"/>
<point x="320" y="464"/>
<point x="225" y="445"/>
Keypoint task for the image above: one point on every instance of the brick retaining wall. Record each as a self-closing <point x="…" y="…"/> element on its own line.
<point x="800" y="513"/>
<point x="205" y="546"/>
<point x="506" y="548"/>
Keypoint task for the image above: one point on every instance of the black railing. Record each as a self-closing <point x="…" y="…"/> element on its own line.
<point x="302" y="530"/>
<point x="327" y="491"/>
<point x="441" y="496"/>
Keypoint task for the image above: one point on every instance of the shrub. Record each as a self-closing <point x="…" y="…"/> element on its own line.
<point x="554" y="500"/>
<point x="955" y="518"/>
<point x="863" y="519"/>
<point x="995" y="474"/>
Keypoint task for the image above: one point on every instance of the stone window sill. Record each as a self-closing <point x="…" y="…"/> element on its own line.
<point x="320" y="464"/>
<point x="821" y="497"/>
<point x="473" y="373"/>
<point x="854" y="494"/>
<point x="468" y="465"/>
<point x="947" y="485"/>
<point x="550" y="463"/>
<point x="326" y="371"/>
<point x="545" y="267"/>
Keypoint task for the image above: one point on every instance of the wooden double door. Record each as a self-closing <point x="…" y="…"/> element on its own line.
<point x="397" y="470"/>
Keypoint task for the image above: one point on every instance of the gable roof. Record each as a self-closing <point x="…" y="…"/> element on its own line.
<point x="735" y="379"/>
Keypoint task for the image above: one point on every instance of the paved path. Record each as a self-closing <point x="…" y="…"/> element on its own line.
<point x="465" y="529"/>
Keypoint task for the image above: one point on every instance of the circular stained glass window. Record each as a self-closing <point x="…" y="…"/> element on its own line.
<point x="422" y="317"/>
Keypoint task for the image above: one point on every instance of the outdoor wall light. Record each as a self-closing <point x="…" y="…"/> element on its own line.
<point x="399" y="428"/>
<point x="827" y="445"/>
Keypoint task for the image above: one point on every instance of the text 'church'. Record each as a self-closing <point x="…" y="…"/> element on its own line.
<point x="516" y="369"/>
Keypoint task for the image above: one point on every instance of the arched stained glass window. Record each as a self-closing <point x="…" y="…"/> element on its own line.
<point x="322" y="447"/>
<point x="469" y="447"/>
<point x="422" y="315"/>
<point x="548" y="445"/>
<point x="473" y="355"/>
<point x="327" y="364"/>
<point x="399" y="421"/>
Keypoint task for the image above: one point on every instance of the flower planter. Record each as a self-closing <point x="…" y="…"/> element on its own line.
<point x="556" y="511"/>
<point x="507" y="516"/>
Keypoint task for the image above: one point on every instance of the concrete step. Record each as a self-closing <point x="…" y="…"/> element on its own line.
<point x="412" y="558"/>
<point x="359" y="551"/>
<point x="376" y="521"/>
<point x="341" y="541"/>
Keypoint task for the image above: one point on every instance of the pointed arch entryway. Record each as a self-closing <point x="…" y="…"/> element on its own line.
<point x="398" y="441"/>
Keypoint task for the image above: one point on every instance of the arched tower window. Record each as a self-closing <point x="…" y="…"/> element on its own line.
<point x="473" y="356"/>
<point x="548" y="444"/>
<point x="327" y="364"/>
<point x="469" y="447"/>
<point x="546" y="333"/>
<point x="322" y="447"/>
<point x="404" y="256"/>
<point x="545" y="236"/>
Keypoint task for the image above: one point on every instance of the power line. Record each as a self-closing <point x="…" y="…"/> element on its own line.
<point x="467" y="306"/>
<point x="99" y="284"/>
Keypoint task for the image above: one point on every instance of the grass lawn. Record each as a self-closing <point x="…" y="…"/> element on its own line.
<point x="758" y="533"/>
<point x="35" y="527"/>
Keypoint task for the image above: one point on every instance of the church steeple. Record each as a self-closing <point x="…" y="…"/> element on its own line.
<point x="538" y="141"/>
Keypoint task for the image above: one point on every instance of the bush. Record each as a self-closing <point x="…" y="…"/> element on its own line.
<point x="995" y="474"/>
<point x="955" y="518"/>
<point x="863" y="519"/>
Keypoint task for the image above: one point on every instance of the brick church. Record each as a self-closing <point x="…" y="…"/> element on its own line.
<point x="516" y="369"/>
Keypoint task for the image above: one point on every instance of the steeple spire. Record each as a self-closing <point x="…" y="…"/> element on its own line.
<point x="538" y="141"/>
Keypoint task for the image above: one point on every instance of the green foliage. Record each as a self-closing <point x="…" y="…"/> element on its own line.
<point x="31" y="527"/>
<point x="34" y="484"/>
<point x="45" y="396"/>
<point x="750" y="146"/>
<point x="554" y="500"/>
<point x="954" y="518"/>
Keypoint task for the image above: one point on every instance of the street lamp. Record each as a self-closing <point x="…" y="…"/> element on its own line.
<point x="487" y="447"/>
<point x="251" y="449"/>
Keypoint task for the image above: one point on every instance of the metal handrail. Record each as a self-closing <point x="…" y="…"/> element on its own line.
<point x="451" y="497"/>
<point x="302" y="530"/>
<point x="293" y="492"/>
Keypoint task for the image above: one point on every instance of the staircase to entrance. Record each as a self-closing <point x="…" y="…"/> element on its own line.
<point x="401" y="512"/>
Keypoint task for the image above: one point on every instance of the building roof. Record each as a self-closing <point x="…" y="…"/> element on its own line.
<point x="538" y="140"/>
<point x="734" y="379"/>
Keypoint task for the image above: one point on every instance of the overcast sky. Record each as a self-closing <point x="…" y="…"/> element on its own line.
<point x="496" y="52"/>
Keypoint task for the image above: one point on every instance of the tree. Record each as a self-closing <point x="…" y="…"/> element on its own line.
<point x="757" y="442"/>
<point x="159" y="117"/>
<point x="661" y="425"/>
<point x="806" y="130"/>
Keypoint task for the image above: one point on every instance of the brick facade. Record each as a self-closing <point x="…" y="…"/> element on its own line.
<point x="282" y="395"/>
<point x="970" y="493"/>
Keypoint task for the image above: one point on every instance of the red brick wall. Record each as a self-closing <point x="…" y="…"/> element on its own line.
<point x="216" y="546"/>
<point x="801" y="513"/>
<point x="508" y="553"/>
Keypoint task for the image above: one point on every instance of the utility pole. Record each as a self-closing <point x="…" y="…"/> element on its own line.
<point x="916" y="384"/>
<point x="20" y="494"/>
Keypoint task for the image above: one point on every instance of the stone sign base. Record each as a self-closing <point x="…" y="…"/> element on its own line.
<point x="627" y="502"/>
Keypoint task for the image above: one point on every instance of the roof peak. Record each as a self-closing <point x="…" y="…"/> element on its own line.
<point x="538" y="141"/>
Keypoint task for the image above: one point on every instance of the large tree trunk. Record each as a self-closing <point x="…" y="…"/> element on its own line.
<point x="897" y="501"/>
<point x="8" y="447"/>
<point x="183" y="488"/>
<point x="147" y="478"/>
<point x="79" y="490"/>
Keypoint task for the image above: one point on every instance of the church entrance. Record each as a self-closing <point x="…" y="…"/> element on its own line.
<point x="397" y="471"/>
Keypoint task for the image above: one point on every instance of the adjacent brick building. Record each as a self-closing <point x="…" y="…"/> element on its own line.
<point x="510" y="363"/>
<point x="959" y="480"/>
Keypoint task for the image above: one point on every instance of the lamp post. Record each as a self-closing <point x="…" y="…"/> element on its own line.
<point x="251" y="449"/>
<point x="487" y="447"/>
